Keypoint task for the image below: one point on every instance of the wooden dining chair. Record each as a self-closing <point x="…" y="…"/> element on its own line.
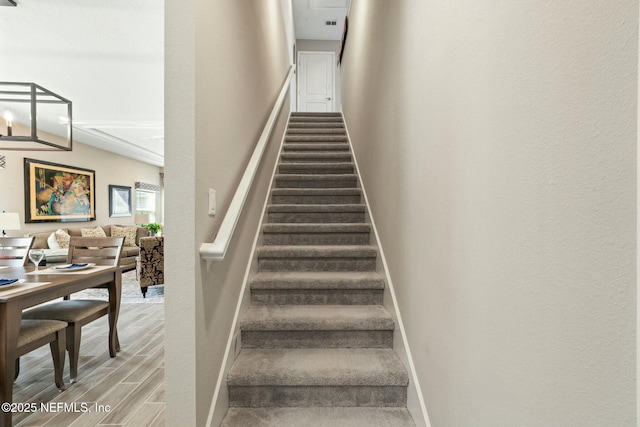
<point x="79" y="312"/>
<point x="36" y="333"/>
<point x="14" y="251"/>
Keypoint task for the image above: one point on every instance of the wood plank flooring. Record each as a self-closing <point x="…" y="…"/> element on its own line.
<point x="130" y="385"/>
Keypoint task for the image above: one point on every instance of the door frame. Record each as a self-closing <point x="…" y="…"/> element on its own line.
<point x="333" y="75"/>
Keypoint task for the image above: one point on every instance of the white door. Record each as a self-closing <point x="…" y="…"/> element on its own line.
<point x="315" y="81"/>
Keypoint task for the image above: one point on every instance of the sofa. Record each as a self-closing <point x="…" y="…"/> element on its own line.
<point x="56" y="256"/>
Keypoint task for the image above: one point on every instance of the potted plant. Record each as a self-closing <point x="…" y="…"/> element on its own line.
<point x="154" y="228"/>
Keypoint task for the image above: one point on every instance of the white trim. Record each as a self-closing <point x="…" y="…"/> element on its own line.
<point x="228" y="360"/>
<point x="96" y="138"/>
<point x="637" y="248"/>
<point x="414" y="383"/>
<point x="333" y="77"/>
<point x="217" y="250"/>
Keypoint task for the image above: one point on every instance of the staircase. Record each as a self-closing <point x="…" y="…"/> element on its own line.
<point x="316" y="340"/>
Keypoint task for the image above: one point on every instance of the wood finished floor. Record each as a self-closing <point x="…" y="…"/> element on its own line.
<point x="132" y="384"/>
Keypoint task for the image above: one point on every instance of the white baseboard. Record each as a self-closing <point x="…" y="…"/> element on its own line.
<point x="415" y="400"/>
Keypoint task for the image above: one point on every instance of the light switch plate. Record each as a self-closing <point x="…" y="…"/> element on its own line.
<point x="212" y="202"/>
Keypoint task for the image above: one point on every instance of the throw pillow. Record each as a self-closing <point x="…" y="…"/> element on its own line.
<point x="129" y="234"/>
<point x="62" y="237"/>
<point x="93" y="232"/>
<point x="52" y="242"/>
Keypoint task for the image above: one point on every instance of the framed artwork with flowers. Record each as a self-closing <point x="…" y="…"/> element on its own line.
<point x="58" y="193"/>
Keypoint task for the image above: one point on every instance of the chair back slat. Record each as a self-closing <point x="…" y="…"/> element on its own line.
<point x="97" y="250"/>
<point x="14" y="251"/>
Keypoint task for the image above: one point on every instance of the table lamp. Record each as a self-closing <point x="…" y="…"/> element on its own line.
<point x="9" y="221"/>
<point x="142" y="219"/>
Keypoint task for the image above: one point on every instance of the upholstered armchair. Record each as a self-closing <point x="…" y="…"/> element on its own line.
<point x="151" y="267"/>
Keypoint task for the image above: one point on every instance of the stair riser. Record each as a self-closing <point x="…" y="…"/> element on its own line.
<point x="316" y="264"/>
<point x="310" y="119"/>
<point x="318" y="417"/>
<point x="307" y="396"/>
<point x="316" y="200"/>
<point x="315" y="131"/>
<point x="310" y="158"/>
<point x="315" y="217"/>
<point x="317" y="339"/>
<point x="297" y="114"/>
<point x="315" y="125"/>
<point x="316" y="183"/>
<point x="316" y="238"/>
<point x="316" y="139"/>
<point x="317" y="296"/>
<point x="315" y="147"/>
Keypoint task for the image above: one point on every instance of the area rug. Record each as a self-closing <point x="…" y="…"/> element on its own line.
<point x="131" y="293"/>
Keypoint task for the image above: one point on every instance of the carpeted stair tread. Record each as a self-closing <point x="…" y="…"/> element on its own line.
<point x="316" y="168"/>
<point x="312" y="119"/>
<point x="310" y="233"/>
<point x="316" y="156"/>
<point x="316" y="131"/>
<point x="316" y="228"/>
<point x="317" y="367"/>
<point x="316" y="192"/>
<point x="316" y="124"/>
<point x="315" y="251"/>
<point x="315" y="138"/>
<point x="317" y="318"/>
<point x="316" y="196"/>
<point x="335" y="180"/>
<point x="316" y="208"/>
<point x="337" y="146"/>
<point x="317" y="280"/>
<point x="318" y="417"/>
<point x="315" y="118"/>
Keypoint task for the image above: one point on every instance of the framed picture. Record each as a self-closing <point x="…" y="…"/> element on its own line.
<point x="119" y="201"/>
<point x="58" y="193"/>
<point x="344" y="40"/>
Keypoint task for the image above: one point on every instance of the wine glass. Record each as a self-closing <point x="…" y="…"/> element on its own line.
<point x="36" y="256"/>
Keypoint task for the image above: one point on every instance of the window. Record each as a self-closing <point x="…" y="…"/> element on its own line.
<point x="146" y="203"/>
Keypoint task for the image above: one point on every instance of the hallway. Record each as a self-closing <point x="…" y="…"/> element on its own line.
<point x="497" y="144"/>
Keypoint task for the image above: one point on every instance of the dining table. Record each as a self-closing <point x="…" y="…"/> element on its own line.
<point x="41" y="286"/>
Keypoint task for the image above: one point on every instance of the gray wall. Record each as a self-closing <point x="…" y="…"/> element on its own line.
<point x="497" y="143"/>
<point x="225" y="64"/>
<point x="324" y="46"/>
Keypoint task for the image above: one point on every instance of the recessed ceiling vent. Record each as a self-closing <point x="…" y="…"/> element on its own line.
<point x="328" y="4"/>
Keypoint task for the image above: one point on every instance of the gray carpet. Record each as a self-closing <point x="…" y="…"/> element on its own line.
<point x="131" y="293"/>
<point x="317" y="342"/>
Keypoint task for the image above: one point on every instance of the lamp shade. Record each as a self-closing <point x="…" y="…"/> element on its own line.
<point x="9" y="221"/>
<point x="142" y="218"/>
